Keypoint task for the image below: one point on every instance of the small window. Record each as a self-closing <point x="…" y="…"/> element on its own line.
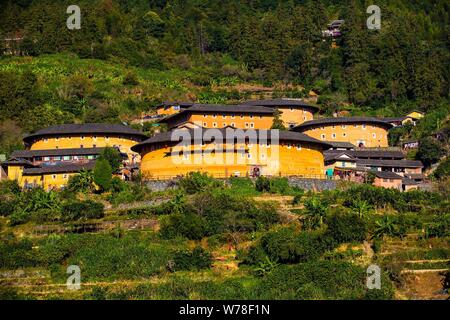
<point x="205" y="124"/>
<point x="242" y="116"/>
<point x="205" y="116"/>
<point x="107" y="138"/>
<point x="356" y="126"/>
<point x="81" y="146"/>
<point x="344" y="134"/>
<point x="232" y="124"/>
<point x="82" y="137"/>
<point x="214" y="115"/>
<point x="224" y="116"/>
<point x="45" y="140"/>
<point x="64" y="176"/>
<point x="224" y="124"/>
<point x="252" y="125"/>
<point x="53" y="176"/>
<point x="344" y="126"/>
<point x="95" y="137"/>
<point x="249" y="155"/>
<point x="299" y="146"/>
<point x="363" y="126"/>
<point x="215" y="124"/>
<point x="251" y="116"/>
<point x="268" y="144"/>
<point x="232" y="116"/>
<point x="333" y="135"/>
<point x="246" y="124"/>
<point x="374" y="135"/>
<point x="322" y="136"/>
<point x="94" y="146"/>
<point x="292" y="109"/>
<point x="289" y="146"/>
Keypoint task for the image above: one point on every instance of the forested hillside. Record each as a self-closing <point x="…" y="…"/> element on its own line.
<point x="130" y="55"/>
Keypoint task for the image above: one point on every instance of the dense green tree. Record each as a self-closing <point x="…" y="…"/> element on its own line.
<point x="102" y="174"/>
<point x="430" y="151"/>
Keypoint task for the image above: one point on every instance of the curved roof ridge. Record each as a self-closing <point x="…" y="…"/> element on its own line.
<point x="283" y="136"/>
<point x="288" y="102"/>
<point x="342" y="120"/>
<point x="86" y="128"/>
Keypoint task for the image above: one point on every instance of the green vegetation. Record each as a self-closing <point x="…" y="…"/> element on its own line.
<point x="211" y="239"/>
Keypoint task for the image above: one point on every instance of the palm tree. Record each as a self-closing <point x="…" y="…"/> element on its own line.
<point x="315" y="210"/>
<point x="385" y="226"/>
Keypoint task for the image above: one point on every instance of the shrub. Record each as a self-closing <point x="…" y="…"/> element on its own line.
<point x="189" y="225"/>
<point x="321" y="280"/>
<point x="196" y="182"/>
<point x="82" y="210"/>
<point x="280" y="186"/>
<point x="113" y="156"/>
<point x="196" y="259"/>
<point x="262" y="184"/>
<point x="81" y="182"/>
<point x="286" y="245"/>
<point x="443" y="170"/>
<point x="102" y="174"/>
<point x="315" y="211"/>
<point x="7" y="206"/>
<point x="439" y="227"/>
<point x="16" y="254"/>
<point x="9" y="187"/>
<point x="346" y="228"/>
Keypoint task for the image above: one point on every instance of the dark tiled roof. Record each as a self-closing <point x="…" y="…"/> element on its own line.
<point x="293" y="103"/>
<point x="372" y="154"/>
<point x="60" y="168"/>
<point x="395" y="119"/>
<point x="342" y="120"/>
<point x="17" y="161"/>
<point x="167" y="104"/>
<point x="213" y="108"/>
<point x="341" y="144"/>
<point x="336" y="156"/>
<point x="57" y="152"/>
<point x="166" y="137"/>
<point x="390" y="163"/>
<point x="87" y="128"/>
<point x="386" y="175"/>
<point x="413" y="176"/>
<point x="409" y="182"/>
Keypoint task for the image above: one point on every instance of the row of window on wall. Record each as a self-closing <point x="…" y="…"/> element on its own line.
<point x="224" y="116"/>
<point x="224" y="124"/>
<point x="65" y="176"/>
<point x="344" y="126"/>
<point x="82" y="138"/>
<point x="66" y="158"/>
<point x="333" y="135"/>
